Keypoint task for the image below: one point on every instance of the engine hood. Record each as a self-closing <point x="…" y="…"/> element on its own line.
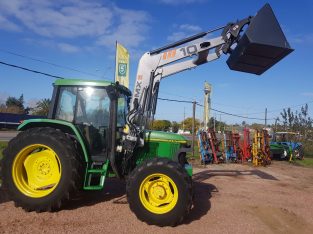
<point x="164" y="137"/>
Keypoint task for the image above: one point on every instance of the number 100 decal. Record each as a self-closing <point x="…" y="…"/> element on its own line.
<point x="189" y="50"/>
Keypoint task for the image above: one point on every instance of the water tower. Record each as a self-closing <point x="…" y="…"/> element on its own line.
<point x="207" y="104"/>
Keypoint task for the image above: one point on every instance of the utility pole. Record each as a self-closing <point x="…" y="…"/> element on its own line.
<point x="193" y="127"/>
<point x="220" y="126"/>
<point x="265" y="117"/>
<point x="184" y="121"/>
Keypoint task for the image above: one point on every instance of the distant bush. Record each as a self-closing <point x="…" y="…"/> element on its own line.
<point x="308" y="149"/>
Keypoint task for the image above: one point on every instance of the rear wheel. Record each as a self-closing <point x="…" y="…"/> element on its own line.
<point x="159" y="192"/>
<point x="40" y="169"/>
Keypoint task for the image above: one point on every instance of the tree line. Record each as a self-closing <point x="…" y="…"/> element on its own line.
<point x="186" y="124"/>
<point x="296" y="121"/>
<point x="16" y="105"/>
<point x="289" y="120"/>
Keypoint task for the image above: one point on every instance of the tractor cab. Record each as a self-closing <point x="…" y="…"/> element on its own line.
<point x="291" y="139"/>
<point x="89" y="106"/>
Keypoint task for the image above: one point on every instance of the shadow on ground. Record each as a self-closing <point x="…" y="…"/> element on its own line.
<point x="203" y="175"/>
<point x="114" y="189"/>
<point x="201" y="205"/>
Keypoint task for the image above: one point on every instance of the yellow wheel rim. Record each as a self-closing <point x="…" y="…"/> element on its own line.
<point x="158" y="193"/>
<point x="36" y="170"/>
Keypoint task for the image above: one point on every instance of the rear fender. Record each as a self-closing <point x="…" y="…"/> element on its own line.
<point x="64" y="126"/>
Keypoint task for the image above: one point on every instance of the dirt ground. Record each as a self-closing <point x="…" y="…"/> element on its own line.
<point x="229" y="198"/>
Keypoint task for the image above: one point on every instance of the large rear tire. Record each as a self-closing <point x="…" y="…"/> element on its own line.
<point x="159" y="192"/>
<point x="40" y="169"/>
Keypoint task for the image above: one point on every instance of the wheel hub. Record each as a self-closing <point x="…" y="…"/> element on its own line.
<point x="158" y="193"/>
<point x="43" y="168"/>
<point x="36" y="170"/>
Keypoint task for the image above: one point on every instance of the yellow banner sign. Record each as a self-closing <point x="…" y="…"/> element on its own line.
<point x="122" y="65"/>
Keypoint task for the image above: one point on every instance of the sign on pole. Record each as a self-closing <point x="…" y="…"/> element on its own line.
<point x="122" y="65"/>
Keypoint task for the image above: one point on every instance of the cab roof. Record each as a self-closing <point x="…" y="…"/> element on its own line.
<point x="99" y="83"/>
<point x="76" y="82"/>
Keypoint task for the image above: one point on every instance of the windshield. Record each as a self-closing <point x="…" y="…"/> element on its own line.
<point x="93" y="107"/>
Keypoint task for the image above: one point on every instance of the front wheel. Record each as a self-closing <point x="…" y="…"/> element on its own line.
<point x="159" y="192"/>
<point x="299" y="153"/>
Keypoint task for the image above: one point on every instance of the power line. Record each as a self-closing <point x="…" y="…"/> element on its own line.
<point x="50" y="63"/>
<point x="176" y="95"/>
<point x="30" y="70"/>
<point x="174" y="100"/>
<point x="236" y="107"/>
<point x="227" y="113"/>
<point x="280" y="109"/>
<point x="219" y="111"/>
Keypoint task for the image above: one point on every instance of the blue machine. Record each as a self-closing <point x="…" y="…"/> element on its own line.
<point x="229" y="149"/>
<point x="204" y="147"/>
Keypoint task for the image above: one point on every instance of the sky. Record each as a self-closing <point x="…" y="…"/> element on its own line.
<point x="76" y="39"/>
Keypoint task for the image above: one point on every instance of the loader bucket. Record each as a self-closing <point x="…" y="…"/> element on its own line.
<point x="261" y="46"/>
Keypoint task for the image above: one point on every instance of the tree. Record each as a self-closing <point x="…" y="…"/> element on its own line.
<point x="297" y="121"/>
<point x="256" y="126"/>
<point x="188" y="124"/>
<point x="219" y="125"/>
<point x="161" y="125"/>
<point x="175" y="126"/>
<point x="14" y="105"/>
<point x="42" y="107"/>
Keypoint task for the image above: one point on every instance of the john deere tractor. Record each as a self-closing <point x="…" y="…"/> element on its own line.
<point x="98" y="129"/>
<point x="286" y="146"/>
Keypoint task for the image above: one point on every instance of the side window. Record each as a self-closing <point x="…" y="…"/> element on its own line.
<point x="122" y="110"/>
<point x="66" y="105"/>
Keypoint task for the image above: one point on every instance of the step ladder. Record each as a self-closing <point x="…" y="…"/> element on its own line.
<point x="94" y="170"/>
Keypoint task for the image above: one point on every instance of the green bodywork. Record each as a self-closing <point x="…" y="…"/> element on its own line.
<point x="157" y="144"/>
<point x="161" y="144"/>
<point x="74" y="82"/>
<point x="280" y="150"/>
<point x="63" y="125"/>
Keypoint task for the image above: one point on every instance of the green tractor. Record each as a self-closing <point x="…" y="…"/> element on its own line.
<point x="98" y="129"/>
<point x="80" y="144"/>
<point x="286" y="146"/>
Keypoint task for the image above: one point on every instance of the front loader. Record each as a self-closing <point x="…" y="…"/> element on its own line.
<point x="84" y="140"/>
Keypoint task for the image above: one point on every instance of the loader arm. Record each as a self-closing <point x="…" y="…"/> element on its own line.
<point x="257" y="49"/>
<point x="169" y="60"/>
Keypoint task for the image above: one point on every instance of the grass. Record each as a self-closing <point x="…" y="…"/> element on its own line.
<point x="196" y="152"/>
<point x="2" y="146"/>
<point x="306" y="162"/>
